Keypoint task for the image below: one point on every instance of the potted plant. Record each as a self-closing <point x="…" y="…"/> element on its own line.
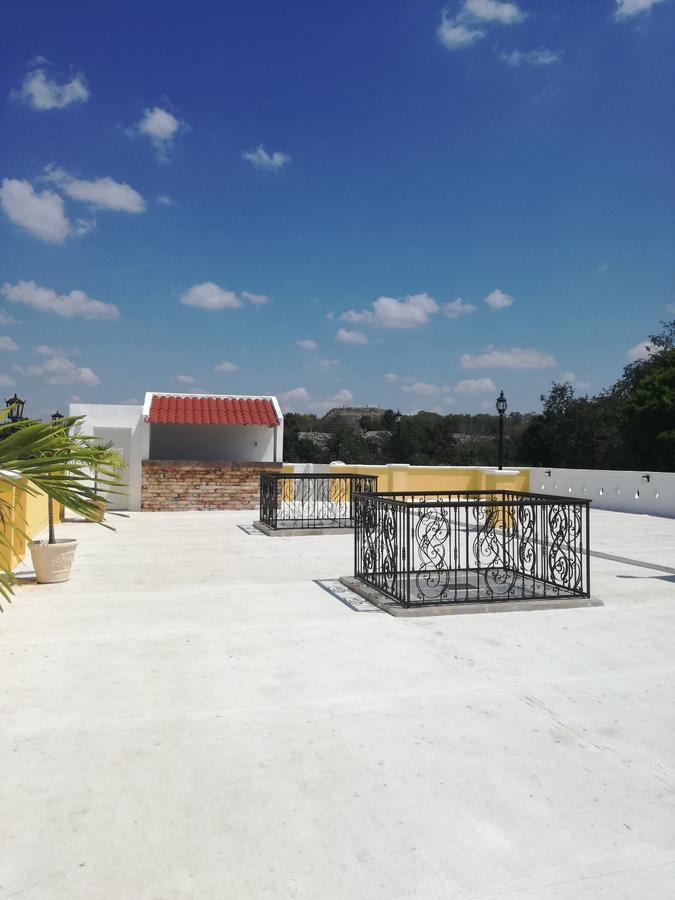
<point x="48" y="456"/>
<point x="52" y="559"/>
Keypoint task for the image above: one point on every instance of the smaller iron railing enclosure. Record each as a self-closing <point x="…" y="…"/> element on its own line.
<point x="426" y="548"/>
<point x="288" y="500"/>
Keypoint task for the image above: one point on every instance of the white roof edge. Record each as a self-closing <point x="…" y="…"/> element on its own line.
<point x="208" y="394"/>
<point x="147" y="403"/>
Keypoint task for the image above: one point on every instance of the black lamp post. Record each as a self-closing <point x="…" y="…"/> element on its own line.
<point x="16" y="412"/>
<point x="501" y="409"/>
<point x="397" y="419"/>
<point x="56" y="416"/>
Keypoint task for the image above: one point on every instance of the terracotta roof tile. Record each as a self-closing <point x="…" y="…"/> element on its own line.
<point x="178" y="410"/>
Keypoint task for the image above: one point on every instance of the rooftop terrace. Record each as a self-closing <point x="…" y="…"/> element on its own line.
<point x="193" y="716"/>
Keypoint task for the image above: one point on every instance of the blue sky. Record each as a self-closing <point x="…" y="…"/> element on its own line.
<point x="437" y="203"/>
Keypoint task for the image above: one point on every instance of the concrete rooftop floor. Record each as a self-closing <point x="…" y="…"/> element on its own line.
<point x="193" y="717"/>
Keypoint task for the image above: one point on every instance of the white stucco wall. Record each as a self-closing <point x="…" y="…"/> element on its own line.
<point x="124" y="426"/>
<point x="228" y="443"/>
<point x="619" y="491"/>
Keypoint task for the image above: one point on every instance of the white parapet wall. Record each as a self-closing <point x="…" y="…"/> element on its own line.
<point x="652" y="493"/>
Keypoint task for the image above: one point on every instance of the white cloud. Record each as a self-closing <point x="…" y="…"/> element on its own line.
<point x="163" y="200"/>
<point x="42" y="92"/>
<point x="225" y="366"/>
<point x="255" y="299"/>
<point x="296" y="397"/>
<point x="492" y="11"/>
<point x="498" y="300"/>
<point x="103" y="193"/>
<point x="307" y="344"/>
<point x="343" y="396"/>
<point x="208" y="295"/>
<point x="642" y="350"/>
<point x="76" y="303"/>
<point x="466" y="28"/>
<point x="83" y="226"/>
<point x="475" y="386"/>
<point x="261" y="159"/>
<point x="6" y="319"/>
<point x="454" y="35"/>
<point x="29" y="370"/>
<point x="424" y="389"/>
<point x="60" y="370"/>
<point x="351" y="337"/>
<point x="184" y="379"/>
<point x="158" y="124"/>
<point x="440" y="408"/>
<point x="392" y="377"/>
<point x="670" y="307"/>
<point x="6" y="381"/>
<point x="7" y="343"/>
<point x="627" y="8"/>
<point x="388" y="312"/>
<point x="540" y="57"/>
<point x="571" y="378"/>
<point x="458" y="308"/>
<point x="513" y="358"/>
<point x="161" y="127"/>
<point x="299" y="400"/>
<point x="40" y="214"/>
<point x="46" y="350"/>
<point x="327" y="363"/>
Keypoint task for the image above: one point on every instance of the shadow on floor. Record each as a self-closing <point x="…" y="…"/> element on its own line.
<point x="351" y="600"/>
<point x="670" y="578"/>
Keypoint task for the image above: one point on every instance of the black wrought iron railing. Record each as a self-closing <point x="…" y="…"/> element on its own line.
<point x="288" y="500"/>
<point x="464" y="547"/>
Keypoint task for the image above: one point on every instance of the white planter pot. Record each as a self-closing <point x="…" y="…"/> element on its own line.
<point x="52" y="562"/>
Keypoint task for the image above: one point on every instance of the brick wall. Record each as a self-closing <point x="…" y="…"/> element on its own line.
<point x="197" y="484"/>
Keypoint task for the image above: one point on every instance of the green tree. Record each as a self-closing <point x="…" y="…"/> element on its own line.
<point x="573" y="432"/>
<point x="634" y="372"/>
<point x="648" y="416"/>
<point x="630" y="425"/>
<point x="300" y="449"/>
<point x="300" y="422"/>
<point x="426" y="439"/>
<point x="349" y="447"/>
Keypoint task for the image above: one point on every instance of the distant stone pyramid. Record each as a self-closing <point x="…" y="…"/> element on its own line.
<point x="348" y="416"/>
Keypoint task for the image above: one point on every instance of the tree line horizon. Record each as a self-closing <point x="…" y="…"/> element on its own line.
<point x="629" y="425"/>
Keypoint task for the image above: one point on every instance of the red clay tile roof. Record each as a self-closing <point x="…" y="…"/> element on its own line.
<point x="177" y="410"/>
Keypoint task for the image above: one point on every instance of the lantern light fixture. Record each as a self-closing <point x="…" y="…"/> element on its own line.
<point x="15" y="414"/>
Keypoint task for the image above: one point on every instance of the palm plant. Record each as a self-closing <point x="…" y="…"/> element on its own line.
<point x="57" y="461"/>
<point x="110" y="464"/>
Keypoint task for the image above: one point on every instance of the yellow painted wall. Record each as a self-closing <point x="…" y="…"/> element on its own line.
<point x="434" y="478"/>
<point x="511" y="480"/>
<point x="24" y="517"/>
<point x="7" y="548"/>
<point x="414" y="479"/>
